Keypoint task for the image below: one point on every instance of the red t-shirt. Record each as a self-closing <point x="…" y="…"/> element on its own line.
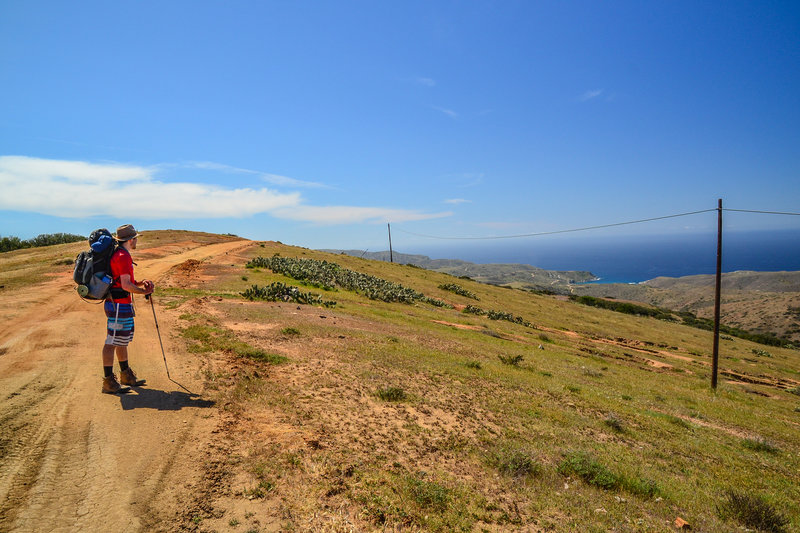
<point x="121" y="263"/>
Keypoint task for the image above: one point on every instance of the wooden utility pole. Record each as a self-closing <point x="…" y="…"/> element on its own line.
<point x="715" y="355"/>
<point x="391" y="259"/>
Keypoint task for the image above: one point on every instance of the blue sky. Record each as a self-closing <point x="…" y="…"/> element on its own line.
<point x="316" y="123"/>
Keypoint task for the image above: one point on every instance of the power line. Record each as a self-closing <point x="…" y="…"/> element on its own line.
<point x="563" y="230"/>
<point x="762" y="212"/>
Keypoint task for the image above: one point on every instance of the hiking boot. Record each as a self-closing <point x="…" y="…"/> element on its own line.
<point x="112" y="386"/>
<point x="128" y="377"/>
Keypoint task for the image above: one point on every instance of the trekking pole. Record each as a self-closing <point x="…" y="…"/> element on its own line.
<point x="163" y="354"/>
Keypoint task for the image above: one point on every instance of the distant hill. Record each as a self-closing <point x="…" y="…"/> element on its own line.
<point x="765" y="302"/>
<point x="516" y="275"/>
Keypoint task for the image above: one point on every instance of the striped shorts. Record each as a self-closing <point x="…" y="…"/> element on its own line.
<point x="120" y="323"/>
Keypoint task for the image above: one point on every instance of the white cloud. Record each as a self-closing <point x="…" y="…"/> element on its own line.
<point x="428" y="82"/>
<point x="74" y="189"/>
<point x="352" y="215"/>
<point x="465" y="179"/>
<point x="457" y="201"/>
<point x="274" y="179"/>
<point x="449" y="112"/>
<point x="76" y="171"/>
<point x="591" y="95"/>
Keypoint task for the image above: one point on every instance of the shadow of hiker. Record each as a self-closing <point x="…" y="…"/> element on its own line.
<point x="144" y="398"/>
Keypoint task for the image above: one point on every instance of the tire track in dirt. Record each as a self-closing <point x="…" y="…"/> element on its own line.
<point x="71" y="458"/>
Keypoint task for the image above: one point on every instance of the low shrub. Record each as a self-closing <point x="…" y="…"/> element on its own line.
<point x="624" y="307"/>
<point x="760" y="444"/>
<point x="391" y="394"/>
<point x="614" y="423"/>
<point x="592" y="373"/>
<point x="329" y="276"/>
<point x="429" y="494"/>
<point x="726" y="331"/>
<point x="458" y="289"/>
<point x="514" y="461"/>
<point x="497" y="315"/>
<point x="752" y="511"/>
<point x="511" y="360"/>
<point x="280" y="292"/>
<point x="501" y="315"/>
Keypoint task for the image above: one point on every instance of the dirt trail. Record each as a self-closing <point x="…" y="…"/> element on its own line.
<point x="71" y="458"/>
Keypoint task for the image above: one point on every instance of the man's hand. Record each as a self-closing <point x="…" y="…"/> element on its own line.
<point x="148" y="286"/>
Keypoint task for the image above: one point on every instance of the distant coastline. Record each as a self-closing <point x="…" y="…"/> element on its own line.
<point x="517" y="274"/>
<point x="638" y="259"/>
<point x="628" y="261"/>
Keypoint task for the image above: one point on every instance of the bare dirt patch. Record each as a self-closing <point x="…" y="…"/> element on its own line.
<point x="458" y="326"/>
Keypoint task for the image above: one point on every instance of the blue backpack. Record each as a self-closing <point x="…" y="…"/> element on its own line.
<point x="92" y="268"/>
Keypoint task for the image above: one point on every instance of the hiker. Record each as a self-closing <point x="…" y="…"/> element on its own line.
<point x="120" y="312"/>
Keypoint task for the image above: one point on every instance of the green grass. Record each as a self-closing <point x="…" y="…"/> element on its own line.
<point x="399" y="499"/>
<point x="261" y="490"/>
<point x="593" y="472"/>
<point x="587" y="468"/>
<point x="207" y="338"/>
<point x="672" y="419"/>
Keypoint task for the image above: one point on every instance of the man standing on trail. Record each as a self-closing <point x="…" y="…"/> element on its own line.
<point x="120" y="312"/>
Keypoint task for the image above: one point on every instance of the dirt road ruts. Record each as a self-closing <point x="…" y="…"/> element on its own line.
<point x="73" y="459"/>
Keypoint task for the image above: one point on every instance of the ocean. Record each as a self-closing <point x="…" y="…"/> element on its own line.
<point x="635" y="259"/>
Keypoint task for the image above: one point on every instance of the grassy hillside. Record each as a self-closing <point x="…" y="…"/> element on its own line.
<point x="376" y="415"/>
<point x="500" y="410"/>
